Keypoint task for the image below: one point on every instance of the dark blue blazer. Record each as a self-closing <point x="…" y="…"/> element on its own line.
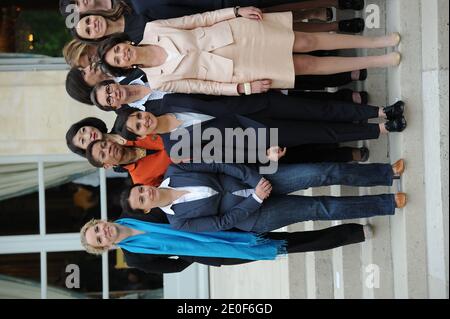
<point x="222" y="211"/>
<point x="165" y="9"/>
<point x="229" y="112"/>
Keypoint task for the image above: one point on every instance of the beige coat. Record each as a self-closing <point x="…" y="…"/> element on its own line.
<point x="193" y="43"/>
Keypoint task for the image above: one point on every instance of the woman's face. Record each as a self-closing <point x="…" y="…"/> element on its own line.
<point x="85" y="136"/>
<point x="92" y="75"/>
<point x="88" y="57"/>
<point x="142" y="123"/>
<point x="103" y="234"/>
<point x="92" y="27"/>
<point x="122" y="55"/>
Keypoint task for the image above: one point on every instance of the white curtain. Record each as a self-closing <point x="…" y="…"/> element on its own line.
<point x="21" y="179"/>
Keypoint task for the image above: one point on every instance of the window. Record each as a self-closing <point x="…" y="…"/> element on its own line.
<point x="34" y="260"/>
<point x="32" y="35"/>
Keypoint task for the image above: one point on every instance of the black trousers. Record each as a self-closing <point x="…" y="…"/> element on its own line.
<point x="317" y="153"/>
<point x="325" y="96"/>
<point x="256" y="3"/>
<point x="317" y="240"/>
<point x="320" y="82"/>
<point x="301" y="121"/>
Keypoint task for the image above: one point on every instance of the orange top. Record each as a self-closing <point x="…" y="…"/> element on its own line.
<point x="150" y="169"/>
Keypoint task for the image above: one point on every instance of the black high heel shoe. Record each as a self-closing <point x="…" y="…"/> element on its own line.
<point x="395" y="110"/>
<point x="351" y="4"/>
<point x="398" y="125"/>
<point x="355" y="25"/>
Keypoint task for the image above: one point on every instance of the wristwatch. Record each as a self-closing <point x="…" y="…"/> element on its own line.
<point x="236" y="12"/>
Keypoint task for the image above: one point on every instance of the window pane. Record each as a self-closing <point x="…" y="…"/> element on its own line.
<point x="70" y="205"/>
<point x="130" y="283"/>
<point x="19" y="199"/>
<point x="20" y="276"/>
<point x="123" y="282"/>
<point x="32" y="27"/>
<point x="76" y="273"/>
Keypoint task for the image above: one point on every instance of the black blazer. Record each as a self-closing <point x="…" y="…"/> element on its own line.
<point x="165" y="9"/>
<point x="229" y="112"/>
<point x="162" y="263"/>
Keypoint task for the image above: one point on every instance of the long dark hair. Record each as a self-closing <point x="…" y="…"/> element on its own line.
<point x="120" y="125"/>
<point x="77" y="87"/>
<point x="73" y="130"/>
<point x="119" y="9"/>
<point x="103" y="49"/>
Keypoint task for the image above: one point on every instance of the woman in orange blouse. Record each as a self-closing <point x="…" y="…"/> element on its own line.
<point x="150" y="169"/>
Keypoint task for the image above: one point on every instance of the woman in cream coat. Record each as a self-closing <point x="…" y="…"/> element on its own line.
<point x="234" y="51"/>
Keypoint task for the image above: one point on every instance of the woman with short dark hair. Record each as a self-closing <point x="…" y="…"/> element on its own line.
<point x="90" y="129"/>
<point x="80" y="81"/>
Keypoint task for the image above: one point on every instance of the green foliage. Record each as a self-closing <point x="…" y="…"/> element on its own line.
<point x="48" y="29"/>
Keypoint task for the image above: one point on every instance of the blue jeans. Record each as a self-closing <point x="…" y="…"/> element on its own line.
<point x="293" y="177"/>
<point x="280" y="209"/>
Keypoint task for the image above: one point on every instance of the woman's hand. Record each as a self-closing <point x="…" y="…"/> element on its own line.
<point x="275" y="153"/>
<point x="259" y="86"/>
<point x="251" y="13"/>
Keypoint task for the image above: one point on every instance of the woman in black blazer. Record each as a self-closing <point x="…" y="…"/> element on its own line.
<point x="96" y="25"/>
<point x="130" y="16"/>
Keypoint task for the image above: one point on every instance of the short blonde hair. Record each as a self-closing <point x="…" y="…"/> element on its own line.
<point x="73" y="51"/>
<point x="88" y="247"/>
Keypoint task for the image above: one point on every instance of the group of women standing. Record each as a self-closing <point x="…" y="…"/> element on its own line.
<point x="134" y="52"/>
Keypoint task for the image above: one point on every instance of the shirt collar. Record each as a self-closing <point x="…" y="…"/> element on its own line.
<point x="166" y="209"/>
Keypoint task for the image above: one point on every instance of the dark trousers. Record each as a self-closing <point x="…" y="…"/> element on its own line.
<point x="256" y="3"/>
<point x="281" y="209"/>
<point x="342" y="95"/>
<point x="320" y="82"/>
<point x="301" y="121"/>
<point x="317" y="153"/>
<point x="317" y="240"/>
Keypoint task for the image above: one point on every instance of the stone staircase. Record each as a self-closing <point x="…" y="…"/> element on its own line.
<point x="408" y="257"/>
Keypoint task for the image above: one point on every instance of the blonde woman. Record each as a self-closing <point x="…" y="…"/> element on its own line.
<point x="235" y="51"/>
<point x="79" y="54"/>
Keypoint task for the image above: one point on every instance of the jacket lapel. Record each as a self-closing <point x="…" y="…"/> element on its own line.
<point x="169" y="66"/>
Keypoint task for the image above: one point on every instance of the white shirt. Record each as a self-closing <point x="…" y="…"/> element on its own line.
<point x="189" y="119"/>
<point x="200" y="192"/>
